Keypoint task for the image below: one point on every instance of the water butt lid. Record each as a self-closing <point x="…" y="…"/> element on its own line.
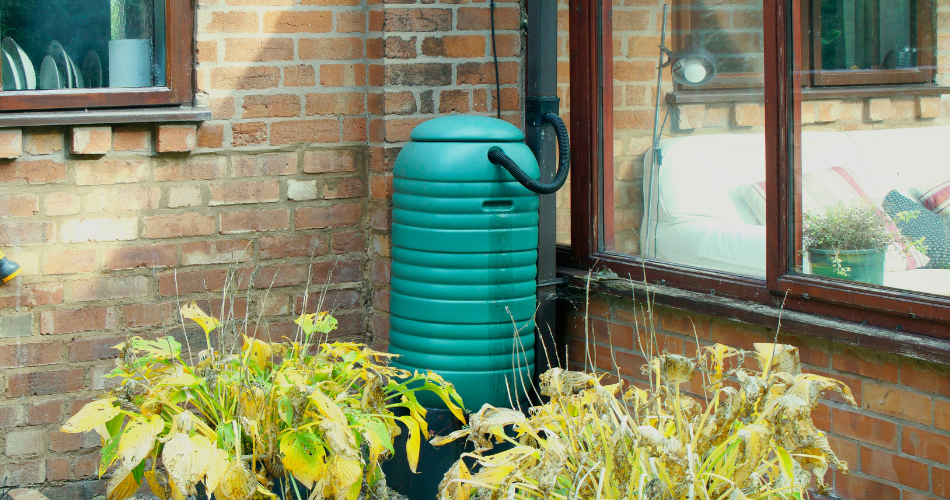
<point x="466" y="128"/>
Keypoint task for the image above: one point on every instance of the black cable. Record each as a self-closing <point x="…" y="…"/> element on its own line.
<point x="494" y="53"/>
<point x="498" y="157"/>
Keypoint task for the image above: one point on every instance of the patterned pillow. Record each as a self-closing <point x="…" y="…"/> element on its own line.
<point x="935" y="230"/>
<point x="935" y="196"/>
<point x="820" y="189"/>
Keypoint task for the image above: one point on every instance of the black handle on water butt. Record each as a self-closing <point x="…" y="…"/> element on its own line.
<point x="498" y="157"/>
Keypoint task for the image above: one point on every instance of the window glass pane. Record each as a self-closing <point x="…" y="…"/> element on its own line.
<point x="867" y="34"/>
<point x="871" y="181"/>
<point x="73" y="44"/>
<point x="700" y="203"/>
<point x="564" y="93"/>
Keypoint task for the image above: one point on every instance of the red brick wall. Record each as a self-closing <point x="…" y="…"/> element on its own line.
<point x="116" y="225"/>
<point x="897" y="442"/>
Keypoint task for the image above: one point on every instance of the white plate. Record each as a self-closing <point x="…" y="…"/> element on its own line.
<point x="50" y="77"/>
<point x="24" y="65"/>
<point x="77" y="76"/>
<point x="11" y="77"/>
<point x="92" y="69"/>
<point x="62" y="63"/>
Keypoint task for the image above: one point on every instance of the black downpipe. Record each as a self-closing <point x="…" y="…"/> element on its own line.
<point x="541" y="99"/>
<point x="498" y="157"/>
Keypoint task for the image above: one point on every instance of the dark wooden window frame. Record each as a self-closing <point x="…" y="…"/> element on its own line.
<point x="921" y="316"/>
<point x="179" y="64"/>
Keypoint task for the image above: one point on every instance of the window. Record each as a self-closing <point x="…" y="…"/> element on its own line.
<point x="726" y="206"/>
<point x="862" y="42"/>
<point x="69" y="54"/>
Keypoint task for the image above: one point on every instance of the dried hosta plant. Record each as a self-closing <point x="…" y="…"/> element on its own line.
<point x="236" y="424"/>
<point x="755" y="440"/>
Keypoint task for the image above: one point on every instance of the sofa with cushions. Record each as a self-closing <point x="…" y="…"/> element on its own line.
<point x="707" y="203"/>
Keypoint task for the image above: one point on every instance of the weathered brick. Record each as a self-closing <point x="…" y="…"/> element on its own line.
<point x="336" y="103"/>
<point x="248" y="134"/>
<point x="894" y="468"/>
<point x="93" y="172"/>
<point x="255" y="221"/>
<point x="44" y="383"/>
<point x="397" y="47"/>
<point x="19" y="205"/>
<point x="210" y="135"/>
<point x="57" y="469"/>
<point x="416" y="20"/>
<point x="63" y="203"/>
<point x="302" y="190"/>
<point x="428" y="74"/>
<point x="23" y="472"/>
<point x="182" y="283"/>
<point x="175" y="138"/>
<point x="314" y="21"/>
<point x="138" y="315"/>
<point x="35" y="171"/>
<point x="235" y="193"/>
<point x="350" y="21"/>
<point x="454" y="101"/>
<point x="91" y="140"/>
<point x="179" y="225"/>
<point x="43" y="141"/>
<point x="34" y="354"/>
<point x="16" y="325"/>
<point x="926" y="444"/>
<point x="45" y="412"/>
<point x="865" y="362"/>
<point x="310" y="131"/>
<point x="26" y="442"/>
<point x="25" y="233"/>
<point x="216" y="252"/>
<point x="478" y="18"/>
<point x="11" y="143"/>
<point x="99" y="229"/>
<point x="285" y="246"/>
<point x="124" y="199"/>
<point x="879" y="109"/>
<point x="232" y="22"/>
<point x="62" y="441"/>
<point x="63" y="320"/>
<point x="245" y="78"/>
<point x="342" y="75"/>
<point x="258" y="50"/>
<point x="107" y="288"/>
<point x="896" y="402"/>
<point x="341" y="215"/>
<point x="184" y="196"/>
<point x="302" y="75"/>
<point x="337" y="48"/>
<point x="258" y="106"/>
<point x="92" y="349"/>
<point x="342" y="187"/>
<point x="264" y="164"/>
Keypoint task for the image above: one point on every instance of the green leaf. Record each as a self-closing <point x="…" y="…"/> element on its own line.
<point x="138" y="472"/>
<point x="286" y="410"/>
<point x="109" y="453"/>
<point x="303" y="455"/>
<point x="785" y="462"/>
<point x="381" y="431"/>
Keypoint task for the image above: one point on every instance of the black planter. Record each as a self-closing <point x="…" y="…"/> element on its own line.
<point x="434" y="462"/>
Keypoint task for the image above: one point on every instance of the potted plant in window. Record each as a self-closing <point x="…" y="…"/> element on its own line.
<point x="297" y="419"/>
<point x="849" y="240"/>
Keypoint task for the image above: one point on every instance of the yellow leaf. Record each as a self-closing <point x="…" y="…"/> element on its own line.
<point x="303" y="456"/>
<point x="122" y="485"/>
<point x="216" y="469"/>
<point x="327" y="407"/>
<point x="193" y="312"/>
<point x="158" y="484"/>
<point x="238" y="482"/>
<point x="344" y="473"/>
<point x="187" y="459"/>
<point x="454" y="484"/>
<point x="138" y="439"/>
<point x="412" y="444"/>
<point x="91" y="416"/>
<point x="256" y="350"/>
<point x="339" y="438"/>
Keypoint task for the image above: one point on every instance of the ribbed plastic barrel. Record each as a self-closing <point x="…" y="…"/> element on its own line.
<point x="464" y="252"/>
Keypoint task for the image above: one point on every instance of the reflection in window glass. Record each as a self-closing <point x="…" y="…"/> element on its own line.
<point x="871" y="197"/>
<point x="687" y="206"/>
<point x="564" y="93"/>
<point x="70" y="44"/>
